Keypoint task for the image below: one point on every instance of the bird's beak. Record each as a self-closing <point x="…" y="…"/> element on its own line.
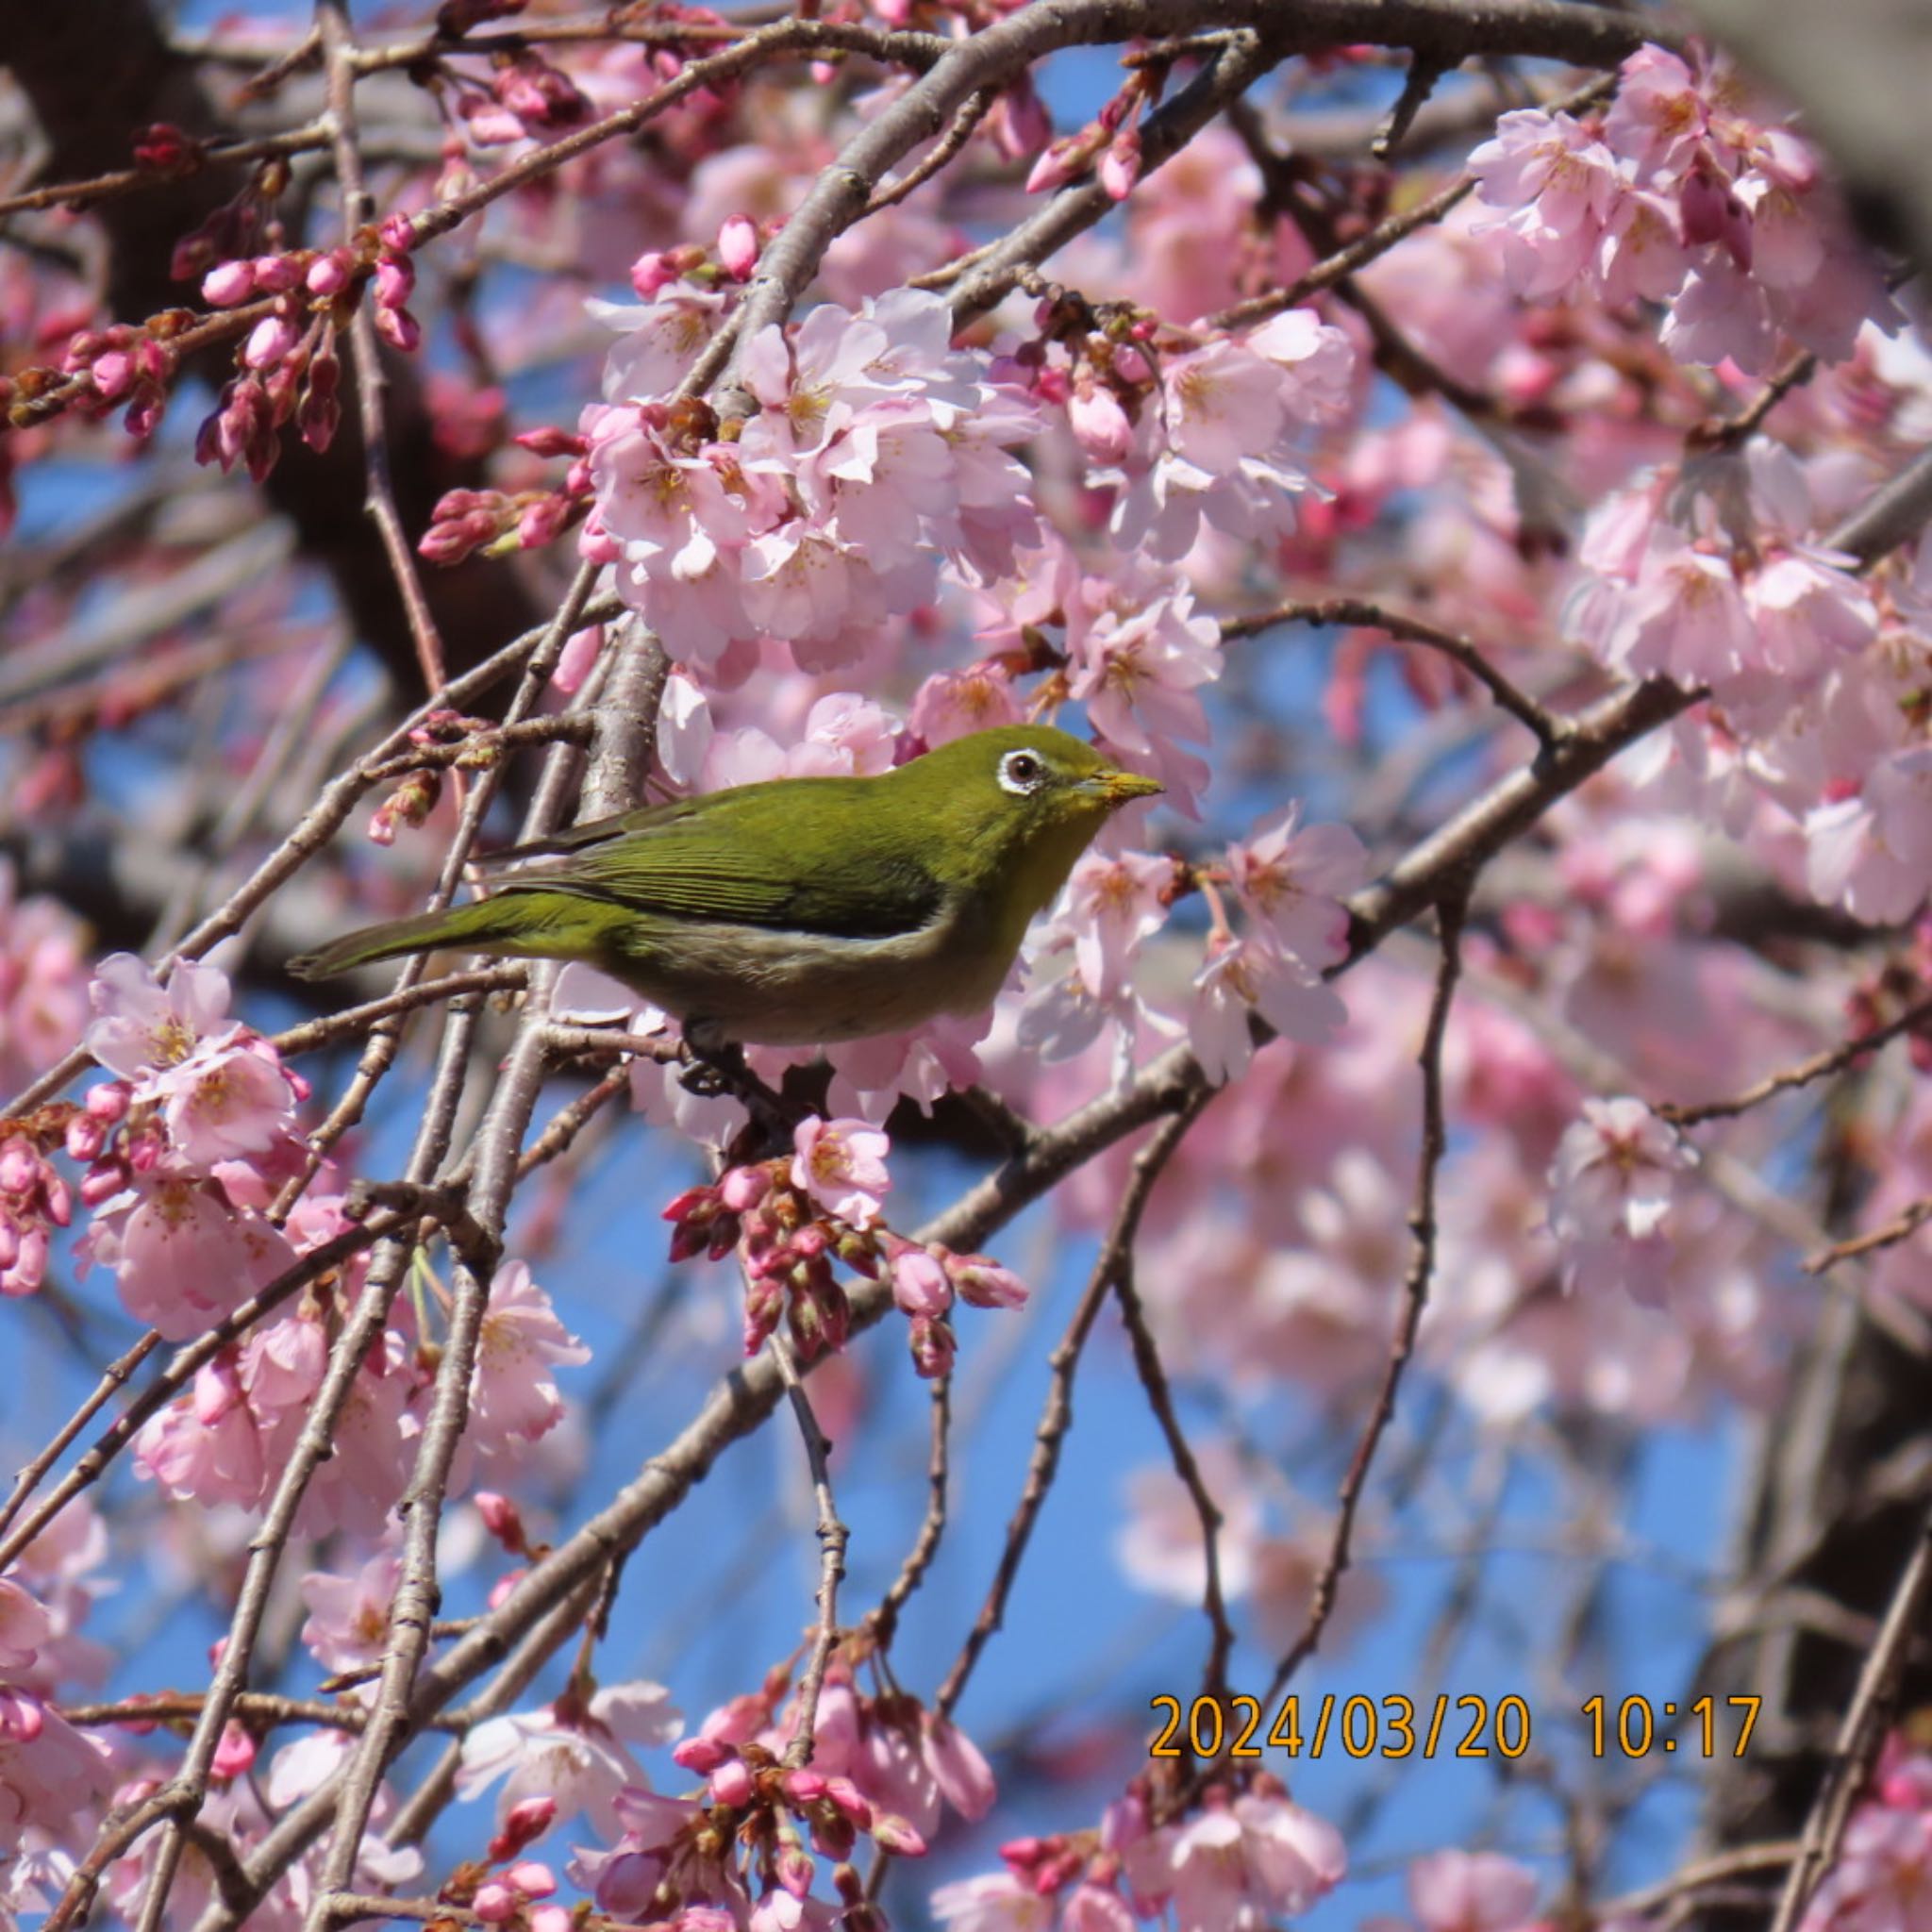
<point x="1117" y="788"/>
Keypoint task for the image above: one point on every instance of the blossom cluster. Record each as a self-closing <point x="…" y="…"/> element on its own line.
<point x="876" y="451"/>
<point x="1686" y="192"/>
<point x="1288" y="882"/>
<point x="1879" y="1880"/>
<point x="789" y="1221"/>
<point x="1243" y="1859"/>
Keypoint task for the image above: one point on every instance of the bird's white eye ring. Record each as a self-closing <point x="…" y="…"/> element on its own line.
<point x="1021" y="773"/>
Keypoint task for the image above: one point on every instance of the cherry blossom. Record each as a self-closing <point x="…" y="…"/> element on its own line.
<point x="842" y="1165"/>
<point x="580" y="1758"/>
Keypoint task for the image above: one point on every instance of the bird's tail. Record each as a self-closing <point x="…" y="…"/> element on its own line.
<point x="515" y="924"/>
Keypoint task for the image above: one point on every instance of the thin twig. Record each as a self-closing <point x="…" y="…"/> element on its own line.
<point x="1415" y="1297"/>
<point x="1548" y="728"/>
<point x="1057" y="1416"/>
<point x="352" y="1021"/>
<point x="974" y="109"/>
<point x="1861" y="1734"/>
<point x="883" y="1623"/>
<point x="1186" y="1465"/>
<point x="372" y="383"/>
<point x="113" y="1376"/>
<point x="1816" y="1068"/>
<point x="833" y="1538"/>
<point x="1902" y="1226"/>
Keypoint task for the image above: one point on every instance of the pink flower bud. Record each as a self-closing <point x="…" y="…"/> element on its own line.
<point x="1099" y="423"/>
<point x="550" y="442"/>
<point x="20" y="1169"/>
<point x="1019" y="123"/>
<point x="981" y="1281"/>
<point x="399" y="329"/>
<point x="113" y="373"/>
<point x="651" y="272"/>
<point x="84" y="1139"/>
<point x="731" y="1783"/>
<point x="738" y="247"/>
<point x="850" y="1800"/>
<point x="395" y="280"/>
<point x="234" y="1754"/>
<point x="742" y="1188"/>
<point x="526" y="1821"/>
<point x="1056" y="167"/>
<point x="1119" y="167"/>
<point x="328" y="275"/>
<point x="551" y="1919"/>
<point x="532" y="1877"/>
<point x="699" y="1755"/>
<point x="272" y="338"/>
<point x="918" y="1282"/>
<point x="231" y="283"/>
<point x="893" y="1834"/>
<point x="542" y="522"/>
<point x="933" y="1346"/>
<point x="802" y="1787"/>
<point x="276" y="274"/>
<point x="1131" y="365"/>
<point x="101" y="1184"/>
<point x="399" y="234"/>
<point x="494" y="1903"/>
<point x="108" y="1100"/>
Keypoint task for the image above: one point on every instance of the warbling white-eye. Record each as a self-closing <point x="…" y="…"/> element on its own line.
<point x="802" y="911"/>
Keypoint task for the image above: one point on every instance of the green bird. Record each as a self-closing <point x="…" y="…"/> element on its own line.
<point x="801" y="911"/>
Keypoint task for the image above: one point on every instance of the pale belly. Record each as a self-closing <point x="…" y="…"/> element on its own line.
<point x="791" y="989"/>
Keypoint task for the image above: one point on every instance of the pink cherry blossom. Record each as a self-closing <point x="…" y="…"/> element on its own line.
<point x="348" y="1616"/>
<point x="513" y="1396"/>
<point x="1472" y="1892"/>
<point x="1613" y="1186"/>
<point x="842" y="1165"/>
<point x="582" y="1765"/>
<point x="1294" y="881"/>
<point x="182" y="1255"/>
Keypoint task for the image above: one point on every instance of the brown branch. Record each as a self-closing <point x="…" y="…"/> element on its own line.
<point x="258" y="1708"/>
<point x="883" y="1623"/>
<point x="974" y="109"/>
<point x="1902" y="1226"/>
<point x="80" y="194"/>
<point x="1861" y="1734"/>
<point x="1161" y="1400"/>
<point x="570" y="1120"/>
<point x="1415" y="1297"/>
<point x="833" y="1538"/>
<point x="1816" y="1068"/>
<point x="355" y="1020"/>
<point x="1699" y="1876"/>
<point x="1547" y="726"/>
<point x="1057" y="1416"/>
<point x="372" y="385"/>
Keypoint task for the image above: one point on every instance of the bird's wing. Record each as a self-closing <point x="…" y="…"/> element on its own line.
<point x="742" y="856"/>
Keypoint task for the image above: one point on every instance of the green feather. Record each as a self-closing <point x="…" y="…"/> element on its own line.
<point x="801" y="910"/>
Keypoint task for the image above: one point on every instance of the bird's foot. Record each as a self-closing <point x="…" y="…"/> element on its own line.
<point x="717" y="1066"/>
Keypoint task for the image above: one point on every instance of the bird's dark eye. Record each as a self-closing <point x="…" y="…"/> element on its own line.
<point x="1020" y="772"/>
